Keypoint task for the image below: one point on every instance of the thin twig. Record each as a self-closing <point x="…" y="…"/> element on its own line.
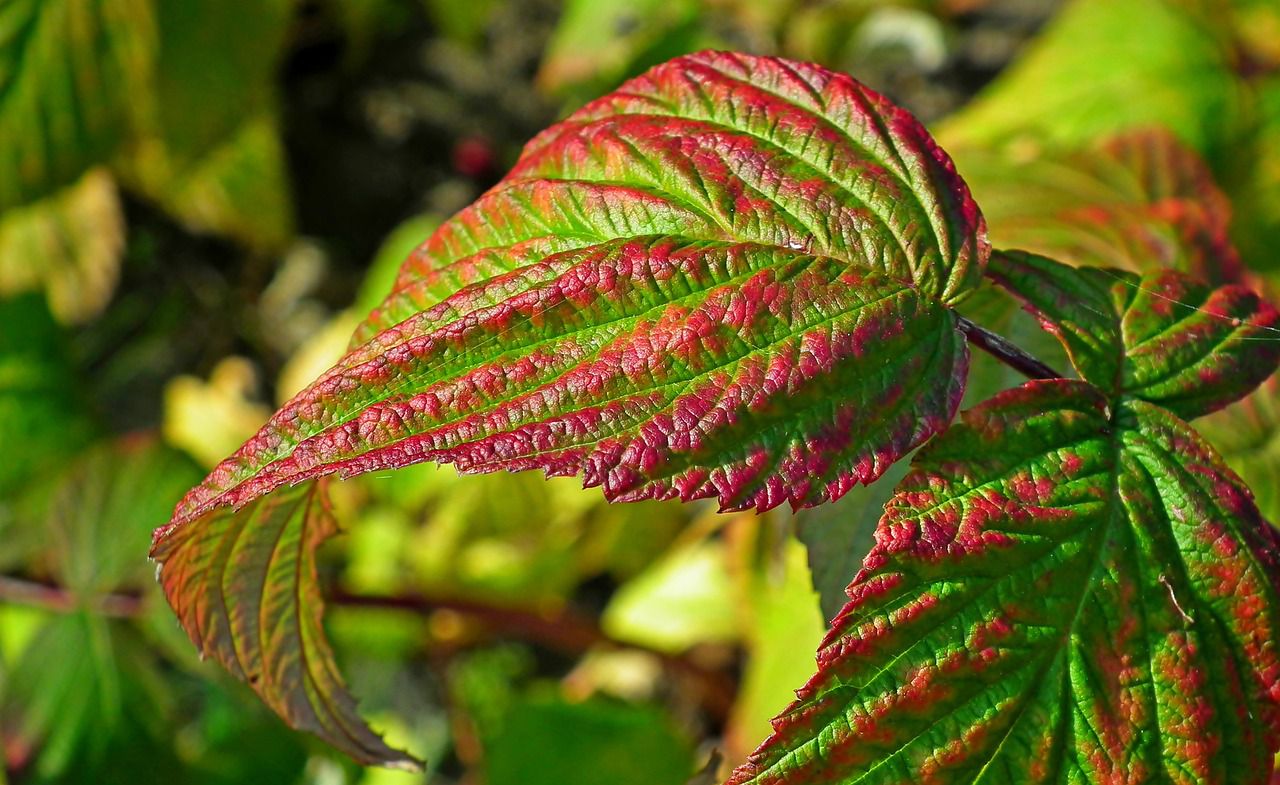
<point x="561" y="630"/>
<point x="56" y="598"/>
<point x="1006" y="352"/>
<point x="1177" y="605"/>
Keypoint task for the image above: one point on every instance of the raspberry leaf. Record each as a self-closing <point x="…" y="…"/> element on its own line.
<point x="1161" y="336"/>
<point x="731" y="278"/>
<point x="244" y="586"/>
<point x="1065" y="588"/>
<point x="1139" y="201"/>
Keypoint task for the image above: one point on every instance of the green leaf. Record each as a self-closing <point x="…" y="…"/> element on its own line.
<point x="732" y="278"/>
<point x="85" y="682"/>
<point x="96" y="516"/>
<point x="1160" y="337"/>
<point x="1066" y="588"/>
<point x="838" y="536"/>
<point x="208" y="149"/>
<point x="69" y="70"/>
<point x="237" y="189"/>
<point x="63" y="697"/>
<point x="244" y="585"/>
<point x="548" y="741"/>
<point x="1257" y="198"/>
<point x="784" y="624"/>
<point x="40" y="407"/>
<point x="204" y="88"/>
<point x="461" y="23"/>
<point x="1248" y="436"/>
<point x="681" y="601"/>
<point x="1104" y="66"/>
<point x="208" y="417"/>
<point x="598" y="43"/>
<point x="1000" y="312"/>
<point x="646" y="255"/>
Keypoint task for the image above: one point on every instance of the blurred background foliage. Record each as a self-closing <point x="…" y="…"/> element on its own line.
<point x="198" y="201"/>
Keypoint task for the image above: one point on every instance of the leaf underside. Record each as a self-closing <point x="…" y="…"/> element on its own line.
<point x="1064" y="589"/>
<point x="244" y="585"/>
<point x="730" y="278"/>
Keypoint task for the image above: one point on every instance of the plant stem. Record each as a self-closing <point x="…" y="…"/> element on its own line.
<point x="1004" y="351"/>
<point x="61" y="600"/>
<point x="562" y="630"/>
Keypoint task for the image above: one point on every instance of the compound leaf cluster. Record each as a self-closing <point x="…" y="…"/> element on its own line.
<point x="734" y="277"/>
<point x="1070" y="585"/>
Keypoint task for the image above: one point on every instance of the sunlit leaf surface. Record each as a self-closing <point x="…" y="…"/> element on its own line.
<point x="1160" y="337"/>
<point x="1066" y="588"/>
<point x="1070" y="585"/>
<point x="731" y="278"/>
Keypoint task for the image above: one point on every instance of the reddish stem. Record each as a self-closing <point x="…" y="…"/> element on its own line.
<point x="1006" y="352"/>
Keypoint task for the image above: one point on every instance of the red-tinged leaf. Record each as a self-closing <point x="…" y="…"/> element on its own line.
<point x="1139" y="201"/>
<point x="731" y="278"/>
<point x="681" y="305"/>
<point x="1064" y="589"/>
<point x="760" y="377"/>
<point x="1154" y="167"/>
<point x="719" y="146"/>
<point x="244" y="586"/>
<point x="1161" y="337"/>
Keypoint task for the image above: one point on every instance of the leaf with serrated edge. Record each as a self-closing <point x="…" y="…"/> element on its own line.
<point x="1161" y="337"/>
<point x="1061" y="591"/>
<point x="657" y="363"/>
<point x="719" y="146"/>
<point x="731" y="278"/>
<point x="244" y="586"/>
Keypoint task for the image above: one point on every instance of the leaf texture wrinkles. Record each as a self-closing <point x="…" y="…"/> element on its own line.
<point x="730" y="278"/>
<point x="1062" y="590"/>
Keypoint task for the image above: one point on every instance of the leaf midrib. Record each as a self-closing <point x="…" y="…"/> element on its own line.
<point x="209" y="504"/>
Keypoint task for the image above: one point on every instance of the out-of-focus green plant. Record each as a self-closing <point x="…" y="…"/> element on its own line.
<point x="96" y="684"/>
<point x="737" y="278"/>
<point x="1069" y="88"/>
<point x="152" y="95"/>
